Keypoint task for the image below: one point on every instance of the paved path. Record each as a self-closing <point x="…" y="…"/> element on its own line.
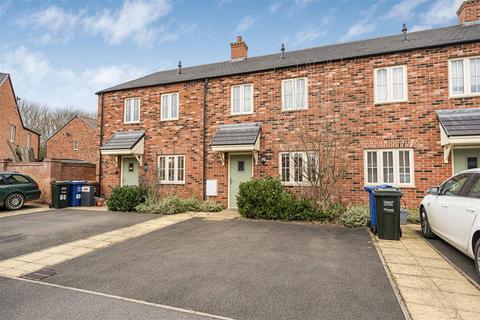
<point x="28" y="209"/>
<point x="429" y="285"/>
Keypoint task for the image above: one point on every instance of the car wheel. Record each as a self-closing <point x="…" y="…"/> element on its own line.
<point x="14" y="201"/>
<point x="477" y="257"/>
<point x="426" y="231"/>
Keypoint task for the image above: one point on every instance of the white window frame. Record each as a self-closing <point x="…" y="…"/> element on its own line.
<point x="175" y="179"/>
<point x="396" y="167"/>
<point x="242" y="99"/>
<point x="132" y="110"/>
<point x="390" y="85"/>
<point x="466" y="78"/>
<point x="75" y="145"/>
<point x="13" y="133"/>
<point x="305" y="107"/>
<point x="170" y="98"/>
<point x="291" y="181"/>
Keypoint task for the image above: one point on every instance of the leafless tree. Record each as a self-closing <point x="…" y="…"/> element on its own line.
<point x="47" y="120"/>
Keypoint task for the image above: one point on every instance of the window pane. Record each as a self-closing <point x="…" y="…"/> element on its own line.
<point x="312" y="166"/>
<point x="453" y="186"/>
<point x="300" y="94"/>
<point x="236" y="99"/>
<point x="128" y="110"/>
<point x="404" y="166"/>
<point x="161" y="168"/>
<point x="171" y="168"/>
<point x="372" y="167"/>
<point x="475" y="75"/>
<point x="382" y="88"/>
<point x="285" y="166"/>
<point x="174" y="104"/>
<point x="136" y="109"/>
<point x="288" y="94"/>
<point x="457" y="77"/>
<point x="398" y="85"/>
<point x="247" y="99"/>
<point x="165" y="107"/>
<point x="474" y="192"/>
<point x="298" y="167"/>
<point x="472" y="163"/>
<point x="180" y="168"/>
<point x="388" y="167"/>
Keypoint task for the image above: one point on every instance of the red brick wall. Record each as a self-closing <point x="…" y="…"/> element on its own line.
<point x="10" y="116"/>
<point x="60" y="145"/>
<point x="343" y="88"/>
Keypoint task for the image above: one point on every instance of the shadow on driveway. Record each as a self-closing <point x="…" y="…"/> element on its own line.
<point x="245" y="270"/>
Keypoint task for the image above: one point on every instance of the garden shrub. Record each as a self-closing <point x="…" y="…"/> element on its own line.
<point x="355" y="216"/>
<point x="413" y="216"/>
<point x="210" y="206"/>
<point x="172" y="204"/>
<point x="126" y="198"/>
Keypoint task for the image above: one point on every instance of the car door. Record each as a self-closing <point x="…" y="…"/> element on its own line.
<point x="447" y="203"/>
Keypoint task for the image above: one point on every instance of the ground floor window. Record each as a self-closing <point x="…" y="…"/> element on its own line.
<point x="391" y="166"/>
<point x="171" y="169"/>
<point x="298" y="167"/>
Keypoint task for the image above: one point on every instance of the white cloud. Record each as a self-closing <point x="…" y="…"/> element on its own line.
<point x="404" y="9"/>
<point x="364" y="26"/>
<point x="441" y="12"/>
<point x="306" y="36"/>
<point x="302" y="3"/>
<point x="36" y="79"/>
<point x="274" y="7"/>
<point x="133" y="19"/>
<point x="245" y="23"/>
<point x="420" y="27"/>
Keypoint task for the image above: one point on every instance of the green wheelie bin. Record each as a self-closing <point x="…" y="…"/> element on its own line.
<point x="387" y="203"/>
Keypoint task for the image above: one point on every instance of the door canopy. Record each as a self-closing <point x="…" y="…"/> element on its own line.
<point x="125" y="143"/>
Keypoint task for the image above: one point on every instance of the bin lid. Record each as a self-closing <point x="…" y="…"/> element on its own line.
<point x="388" y="192"/>
<point x="66" y="183"/>
<point x="78" y="181"/>
<point x="380" y="186"/>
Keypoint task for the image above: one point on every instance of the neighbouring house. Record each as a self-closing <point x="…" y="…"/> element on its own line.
<point x="16" y="141"/>
<point x="408" y="104"/>
<point x="76" y="140"/>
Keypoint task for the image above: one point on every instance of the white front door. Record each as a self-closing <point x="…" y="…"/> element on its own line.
<point x="129" y="171"/>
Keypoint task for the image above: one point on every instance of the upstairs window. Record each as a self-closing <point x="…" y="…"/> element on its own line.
<point x="390" y="166"/>
<point x="171" y="169"/>
<point x="464" y="77"/>
<point x="13" y="133"/>
<point x="298" y="167"/>
<point x="390" y="84"/>
<point x="294" y="94"/>
<point x="242" y="99"/>
<point x="169" y="107"/>
<point x="132" y="110"/>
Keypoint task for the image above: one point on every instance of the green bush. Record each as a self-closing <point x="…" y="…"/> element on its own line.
<point x="126" y="198"/>
<point x="413" y="216"/>
<point x="172" y="204"/>
<point x="210" y="206"/>
<point x="355" y="216"/>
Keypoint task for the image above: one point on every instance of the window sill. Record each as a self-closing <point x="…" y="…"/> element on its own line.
<point x="293" y="110"/>
<point x="296" y="184"/>
<point x="465" y="95"/>
<point x="171" y="183"/>
<point x="379" y="103"/>
<point x="166" y="120"/>
<point x="241" y="114"/>
<point x="131" y="122"/>
<point x="396" y="185"/>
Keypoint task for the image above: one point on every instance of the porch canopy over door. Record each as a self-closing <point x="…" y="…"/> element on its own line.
<point x="125" y="143"/>
<point x="458" y="128"/>
<point x="241" y="137"/>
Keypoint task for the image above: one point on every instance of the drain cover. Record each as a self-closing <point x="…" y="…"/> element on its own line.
<point x="40" y="274"/>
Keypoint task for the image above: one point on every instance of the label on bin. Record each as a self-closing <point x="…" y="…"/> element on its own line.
<point x="86" y="189"/>
<point x="390" y="204"/>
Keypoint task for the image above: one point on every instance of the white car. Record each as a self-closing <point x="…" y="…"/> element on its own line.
<point x="452" y="212"/>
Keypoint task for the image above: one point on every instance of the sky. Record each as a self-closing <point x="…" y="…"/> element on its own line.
<point x="59" y="53"/>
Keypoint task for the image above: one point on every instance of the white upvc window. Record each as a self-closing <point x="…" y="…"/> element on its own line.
<point x="132" y="110"/>
<point x="389" y="166"/>
<point x="169" y="107"/>
<point x="298" y="167"/>
<point x="464" y="77"/>
<point x="171" y="169"/>
<point x="242" y="99"/>
<point x="75" y="145"/>
<point x="13" y="133"/>
<point x="390" y="84"/>
<point x="295" y="94"/>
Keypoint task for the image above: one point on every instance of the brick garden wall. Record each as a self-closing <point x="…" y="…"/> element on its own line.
<point x="344" y="88"/>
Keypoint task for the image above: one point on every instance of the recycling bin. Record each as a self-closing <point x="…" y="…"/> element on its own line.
<point x="88" y="196"/>
<point x="60" y="193"/>
<point x="387" y="204"/>
<point x="371" y="201"/>
<point x="75" y="193"/>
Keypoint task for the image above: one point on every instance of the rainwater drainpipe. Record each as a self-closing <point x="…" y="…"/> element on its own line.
<point x="204" y="137"/>
<point x="100" y="153"/>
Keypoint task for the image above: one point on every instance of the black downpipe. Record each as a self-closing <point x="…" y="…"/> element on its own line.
<point x="100" y="153"/>
<point x="204" y="137"/>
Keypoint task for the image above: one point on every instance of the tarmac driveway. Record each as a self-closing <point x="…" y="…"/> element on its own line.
<point x="36" y="231"/>
<point x="244" y="270"/>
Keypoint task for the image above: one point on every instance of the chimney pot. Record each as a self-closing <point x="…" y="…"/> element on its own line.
<point x="469" y="12"/>
<point x="239" y="49"/>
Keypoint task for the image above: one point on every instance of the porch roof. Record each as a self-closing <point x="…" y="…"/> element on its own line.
<point x="123" y="140"/>
<point x="236" y="134"/>
<point x="460" y="122"/>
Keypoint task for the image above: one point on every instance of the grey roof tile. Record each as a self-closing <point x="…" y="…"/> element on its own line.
<point x="236" y="134"/>
<point x="92" y="122"/>
<point x="364" y="48"/>
<point x="123" y="140"/>
<point x="460" y="122"/>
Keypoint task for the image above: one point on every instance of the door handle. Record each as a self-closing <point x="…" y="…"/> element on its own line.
<point x="444" y="205"/>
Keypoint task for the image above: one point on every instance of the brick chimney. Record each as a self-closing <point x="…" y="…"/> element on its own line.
<point x="239" y="49"/>
<point x="469" y="12"/>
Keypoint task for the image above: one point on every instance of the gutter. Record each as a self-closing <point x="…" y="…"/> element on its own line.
<point x="99" y="151"/>
<point x="204" y="138"/>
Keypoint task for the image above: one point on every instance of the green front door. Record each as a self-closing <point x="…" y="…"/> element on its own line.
<point x="464" y="159"/>
<point x="240" y="171"/>
<point x="129" y="171"/>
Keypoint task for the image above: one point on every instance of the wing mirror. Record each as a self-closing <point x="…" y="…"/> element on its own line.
<point x="433" y="191"/>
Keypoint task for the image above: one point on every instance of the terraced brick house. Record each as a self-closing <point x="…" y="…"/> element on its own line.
<point x="408" y="104"/>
